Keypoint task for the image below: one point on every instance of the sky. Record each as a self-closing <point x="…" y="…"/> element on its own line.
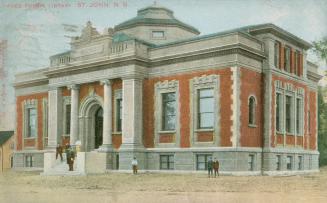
<point x="35" y="29"/>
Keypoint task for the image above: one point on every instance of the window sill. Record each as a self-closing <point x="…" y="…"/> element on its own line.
<point x="205" y="130"/>
<point x="117" y="133"/>
<point x="167" y="131"/>
<point x="29" y="138"/>
<point x="252" y="125"/>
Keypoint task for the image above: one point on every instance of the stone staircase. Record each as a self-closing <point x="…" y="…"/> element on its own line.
<point x="61" y="168"/>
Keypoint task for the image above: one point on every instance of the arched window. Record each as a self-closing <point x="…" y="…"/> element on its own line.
<point x="251" y="110"/>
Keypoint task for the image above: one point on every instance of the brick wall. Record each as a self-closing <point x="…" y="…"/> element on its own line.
<point x="251" y="85"/>
<point x="38" y="141"/>
<point x="184" y="97"/>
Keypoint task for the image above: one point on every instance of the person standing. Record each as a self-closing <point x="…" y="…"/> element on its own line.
<point x="134" y="165"/>
<point x="210" y="167"/>
<point x="216" y="167"/>
<point x="71" y="159"/>
<point x="67" y="153"/>
<point x="59" y="151"/>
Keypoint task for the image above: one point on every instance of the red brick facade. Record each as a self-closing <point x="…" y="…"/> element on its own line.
<point x="252" y="84"/>
<point x="184" y="90"/>
<point x="30" y="142"/>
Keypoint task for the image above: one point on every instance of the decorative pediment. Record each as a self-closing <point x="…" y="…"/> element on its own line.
<point x="88" y="32"/>
<point x="172" y="84"/>
<point x="205" y="80"/>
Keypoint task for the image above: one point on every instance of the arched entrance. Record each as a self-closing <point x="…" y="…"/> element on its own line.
<point x="98" y="128"/>
<point x="91" y="123"/>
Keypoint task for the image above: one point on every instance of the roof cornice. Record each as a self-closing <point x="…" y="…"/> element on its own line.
<point x="271" y="28"/>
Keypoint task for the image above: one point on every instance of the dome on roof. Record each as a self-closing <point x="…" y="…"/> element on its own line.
<point x="155" y="15"/>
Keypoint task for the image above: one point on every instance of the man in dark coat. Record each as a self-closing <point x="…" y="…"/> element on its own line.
<point x="210" y="167"/>
<point x="59" y="151"/>
<point x="71" y="159"/>
<point x="216" y="167"/>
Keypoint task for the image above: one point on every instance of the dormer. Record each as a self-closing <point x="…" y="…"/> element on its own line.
<point x="156" y="25"/>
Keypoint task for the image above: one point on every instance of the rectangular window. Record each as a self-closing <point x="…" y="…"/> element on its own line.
<point x="300" y="167"/>
<point x="278" y="162"/>
<point x="29" y="161"/>
<point x="288" y="113"/>
<point x="287" y="59"/>
<point x="298" y="115"/>
<point x="276" y="54"/>
<point x="202" y="161"/>
<point x="167" y="162"/>
<point x="251" y="162"/>
<point x="31" y="112"/>
<point x="278" y="111"/>
<point x="169" y="111"/>
<point x="119" y="111"/>
<point x="158" y="34"/>
<point x="68" y="112"/>
<point x="289" y="162"/>
<point x="309" y="123"/>
<point x="296" y="63"/>
<point x="205" y="108"/>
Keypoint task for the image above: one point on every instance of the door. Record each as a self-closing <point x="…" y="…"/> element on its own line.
<point x="98" y="128"/>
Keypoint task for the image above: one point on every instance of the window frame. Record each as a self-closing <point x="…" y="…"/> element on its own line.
<point x="279" y="111"/>
<point x="161" y="87"/>
<point x="153" y="36"/>
<point x="199" y="113"/>
<point x="205" y="82"/>
<point x="118" y="123"/>
<point x="29" y="161"/>
<point x="170" y="161"/>
<point x="287" y="55"/>
<point x="289" y="126"/>
<point x="277" y="46"/>
<point x="278" y="162"/>
<point x="252" y="111"/>
<point x="299" y="114"/>
<point x="164" y="113"/>
<point x="296" y="62"/>
<point x="66" y="121"/>
<point x="29" y="129"/>
<point x="45" y="122"/>
<point x="289" y="163"/>
<point x="300" y="163"/>
<point x="206" y="158"/>
<point x="251" y="162"/>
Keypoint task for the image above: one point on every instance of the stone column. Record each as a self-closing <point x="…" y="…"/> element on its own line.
<point x="107" y="116"/>
<point x="54" y="117"/>
<point x="132" y="113"/>
<point x="74" y="113"/>
<point x="132" y="145"/>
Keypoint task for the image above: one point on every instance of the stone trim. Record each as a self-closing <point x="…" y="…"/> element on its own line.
<point x="288" y="89"/>
<point x="160" y="88"/>
<point x="196" y="83"/>
<point x="235" y="106"/>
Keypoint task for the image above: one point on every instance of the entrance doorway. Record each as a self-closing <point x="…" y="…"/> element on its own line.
<point x="98" y="128"/>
